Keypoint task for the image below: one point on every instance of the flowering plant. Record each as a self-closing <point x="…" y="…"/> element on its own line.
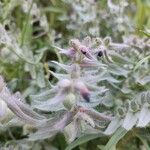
<point x="74" y="88"/>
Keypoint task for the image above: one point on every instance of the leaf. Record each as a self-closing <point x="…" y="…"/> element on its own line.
<point x="116" y="70"/>
<point x="145" y="143"/>
<point x="64" y="67"/>
<point x="42" y="134"/>
<point x="40" y="76"/>
<point x="119" y="134"/>
<point x="113" y="126"/>
<point x="141" y="62"/>
<point x="144" y="80"/>
<point x="130" y="120"/>
<point x="118" y="58"/>
<point x="101" y="147"/>
<point x="53" y="104"/>
<point x="44" y="95"/>
<point x="144" y="117"/>
<point x="71" y="131"/>
<point x="83" y="139"/>
<point x="145" y="32"/>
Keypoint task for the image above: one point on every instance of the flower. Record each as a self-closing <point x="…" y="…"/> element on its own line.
<point x="14" y="103"/>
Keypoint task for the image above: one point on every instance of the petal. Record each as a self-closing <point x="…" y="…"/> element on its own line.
<point x="11" y="103"/>
<point x="83" y="90"/>
<point x="26" y="108"/>
<point x="3" y="108"/>
<point x="96" y="115"/>
<point x="51" y="128"/>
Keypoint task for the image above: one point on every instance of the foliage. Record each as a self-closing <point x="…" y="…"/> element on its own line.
<point x="92" y="94"/>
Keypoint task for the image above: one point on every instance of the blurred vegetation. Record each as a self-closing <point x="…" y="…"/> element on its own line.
<point x="35" y="26"/>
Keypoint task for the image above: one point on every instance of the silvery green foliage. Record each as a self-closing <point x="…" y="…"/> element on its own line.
<point x="102" y="88"/>
<point x="16" y="44"/>
<point x="91" y="17"/>
<point x="12" y="51"/>
<point x="98" y="73"/>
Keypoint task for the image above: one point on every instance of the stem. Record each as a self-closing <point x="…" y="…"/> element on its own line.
<point x="26" y="25"/>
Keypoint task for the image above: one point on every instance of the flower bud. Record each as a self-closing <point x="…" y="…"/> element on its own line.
<point x="98" y="41"/>
<point x="83" y="90"/>
<point x="107" y="41"/>
<point x="65" y="83"/>
<point x="75" y="43"/>
<point x="100" y="54"/>
<point x="70" y="101"/>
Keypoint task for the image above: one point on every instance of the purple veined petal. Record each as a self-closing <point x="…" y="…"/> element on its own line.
<point x="50" y="105"/>
<point x="75" y="43"/>
<point x="86" y="52"/>
<point x="81" y="87"/>
<point x="69" y="52"/>
<point x="3" y="108"/>
<point x="84" y="116"/>
<point x="26" y="108"/>
<point x="58" y="122"/>
<point x="47" y="130"/>
<point x="97" y="115"/>
<point x="66" y="119"/>
<point x="91" y="63"/>
<point x="11" y="103"/>
<point x="64" y="84"/>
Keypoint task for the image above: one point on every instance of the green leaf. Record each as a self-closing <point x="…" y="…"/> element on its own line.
<point x="83" y="139"/>
<point x="144" y="142"/>
<point x="146" y="33"/>
<point x="119" y="134"/>
<point x="141" y="62"/>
